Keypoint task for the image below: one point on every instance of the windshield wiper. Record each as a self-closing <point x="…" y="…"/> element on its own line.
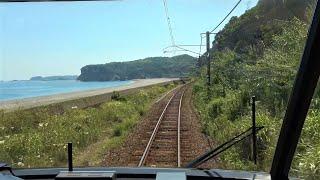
<point x="223" y="147"/>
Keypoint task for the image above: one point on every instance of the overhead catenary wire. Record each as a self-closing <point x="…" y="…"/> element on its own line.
<point x="179" y="48"/>
<point x="168" y="22"/>
<point x="201" y="37"/>
<point x="187" y="50"/>
<point x="182" y="45"/>
<point x="173" y="44"/>
<point x="216" y="27"/>
<point x="236" y="5"/>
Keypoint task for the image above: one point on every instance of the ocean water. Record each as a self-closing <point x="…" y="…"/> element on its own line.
<point x="10" y="90"/>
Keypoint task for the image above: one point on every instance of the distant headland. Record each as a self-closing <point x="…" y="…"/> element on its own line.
<point x="53" y="78"/>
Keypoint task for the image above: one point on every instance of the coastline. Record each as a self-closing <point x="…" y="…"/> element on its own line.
<point x="99" y="95"/>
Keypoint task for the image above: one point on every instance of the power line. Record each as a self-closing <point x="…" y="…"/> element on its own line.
<point x="201" y="42"/>
<point x="227" y="16"/>
<point x="190" y="45"/>
<point x="169" y="22"/>
<point x="215" y="28"/>
<point x="183" y="45"/>
<point x="180" y="49"/>
<point x="187" y="50"/>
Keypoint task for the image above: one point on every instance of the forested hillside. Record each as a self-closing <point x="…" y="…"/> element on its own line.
<point x="257" y="54"/>
<point x="153" y="67"/>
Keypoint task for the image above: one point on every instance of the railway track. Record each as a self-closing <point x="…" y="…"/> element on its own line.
<point x="164" y="145"/>
<point x="155" y="140"/>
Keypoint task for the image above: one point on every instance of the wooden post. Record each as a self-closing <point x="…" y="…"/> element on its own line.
<point x="254" y="133"/>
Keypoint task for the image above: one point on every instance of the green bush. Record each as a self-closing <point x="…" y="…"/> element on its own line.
<point x="269" y="76"/>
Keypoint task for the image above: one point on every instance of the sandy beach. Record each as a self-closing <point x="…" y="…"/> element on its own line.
<point x="47" y="100"/>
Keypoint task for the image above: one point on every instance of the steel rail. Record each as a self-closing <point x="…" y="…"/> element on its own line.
<point x="179" y="129"/>
<point x="162" y="97"/>
<point x="153" y="135"/>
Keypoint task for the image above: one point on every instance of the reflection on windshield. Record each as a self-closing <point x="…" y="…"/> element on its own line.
<point x="138" y="107"/>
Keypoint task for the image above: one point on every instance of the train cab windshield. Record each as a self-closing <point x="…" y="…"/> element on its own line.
<point x="159" y="89"/>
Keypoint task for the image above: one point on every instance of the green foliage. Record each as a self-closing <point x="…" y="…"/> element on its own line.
<point x="117" y="97"/>
<point x="253" y="31"/>
<point x="307" y="158"/>
<point x="153" y="67"/>
<point x="272" y="76"/>
<point x="38" y="137"/>
<point x="240" y="71"/>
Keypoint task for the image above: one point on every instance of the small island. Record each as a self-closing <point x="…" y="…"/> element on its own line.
<point x="53" y="78"/>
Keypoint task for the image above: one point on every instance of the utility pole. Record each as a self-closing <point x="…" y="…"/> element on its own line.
<point x="208" y="59"/>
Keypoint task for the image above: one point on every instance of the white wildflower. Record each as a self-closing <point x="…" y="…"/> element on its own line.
<point x="40" y="124"/>
<point x="2" y="142"/>
<point x="74" y="107"/>
<point x="20" y="164"/>
<point x="312" y="166"/>
<point x="301" y="164"/>
<point x="46" y="124"/>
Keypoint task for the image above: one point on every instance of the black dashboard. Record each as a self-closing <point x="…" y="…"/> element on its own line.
<point x="121" y="173"/>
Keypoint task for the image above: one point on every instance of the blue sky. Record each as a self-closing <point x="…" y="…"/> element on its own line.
<point x="60" y="38"/>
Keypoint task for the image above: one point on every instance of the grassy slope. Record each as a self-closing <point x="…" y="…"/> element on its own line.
<point x="38" y="137"/>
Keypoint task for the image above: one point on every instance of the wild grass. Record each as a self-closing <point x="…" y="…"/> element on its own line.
<point x="225" y="110"/>
<point x="38" y="137"/>
<point x="218" y="124"/>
